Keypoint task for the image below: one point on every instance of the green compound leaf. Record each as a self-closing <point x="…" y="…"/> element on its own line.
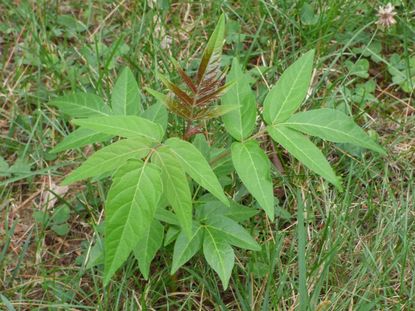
<point x="234" y="233"/>
<point x="176" y="186"/>
<point x="147" y="247"/>
<point x="129" y="211"/>
<point x="81" y="105"/>
<point x="289" y="91"/>
<point x="79" y="138"/>
<point x="219" y="255"/>
<point x="124" y="126"/>
<point x="110" y="158"/>
<point x="125" y="96"/>
<point x="304" y="151"/>
<point x="240" y="122"/>
<point x="195" y="164"/>
<point x="253" y="167"/>
<point x="332" y="125"/>
<point x="186" y="247"/>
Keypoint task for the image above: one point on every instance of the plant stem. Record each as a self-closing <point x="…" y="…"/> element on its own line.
<point x="191" y="130"/>
<point x="275" y="160"/>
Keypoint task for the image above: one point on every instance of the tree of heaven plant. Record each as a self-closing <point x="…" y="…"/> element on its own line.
<point x="167" y="189"/>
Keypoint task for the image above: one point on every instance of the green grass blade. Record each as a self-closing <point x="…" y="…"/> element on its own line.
<point x="302" y="269"/>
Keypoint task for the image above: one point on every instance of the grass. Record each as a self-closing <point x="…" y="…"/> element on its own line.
<point x="350" y="250"/>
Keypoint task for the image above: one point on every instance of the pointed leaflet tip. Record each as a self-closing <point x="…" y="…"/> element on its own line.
<point x="125" y="97"/>
<point x="184" y="111"/>
<point x="210" y="62"/>
<point x="286" y="96"/>
<point x="215" y="94"/>
<point x="176" y="90"/>
<point x="184" y="76"/>
<point x="241" y="123"/>
<point x="221" y="21"/>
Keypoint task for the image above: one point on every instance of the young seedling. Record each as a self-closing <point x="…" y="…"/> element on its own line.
<point x="150" y="188"/>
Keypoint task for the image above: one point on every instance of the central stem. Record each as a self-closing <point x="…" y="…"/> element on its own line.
<point x="190" y="130"/>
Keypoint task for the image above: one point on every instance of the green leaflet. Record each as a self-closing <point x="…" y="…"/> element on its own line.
<point x="240" y="213"/>
<point x="125" y="96"/>
<point x="304" y="151"/>
<point x="158" y="114"/>
<point x="219" y="255"/>
<point x="234" y="233"/>
<point x="236" y="211"/>
<point x="148" y="245"/>
<point x="240" y="122"/>
<point x="166" y="216"/>
<point x="96" y="254"/>
<point x="221" y="162"/>
<point x="186" y="247"/>
<point x="124" y="126"/>
<point x="79" y="138"/>
<point x="200" y="142"/>
<point x="129" y="210"/>
<point x="195" y="164"/>
<point x="171" y="235"/>
<point x="253" y="167"/>
<point x="110" y="158"/>
<point x="176" y="186"/>
<point x="81" y="105"/>
<point x="332" y="125"/>
<point x="289" y="91"/>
